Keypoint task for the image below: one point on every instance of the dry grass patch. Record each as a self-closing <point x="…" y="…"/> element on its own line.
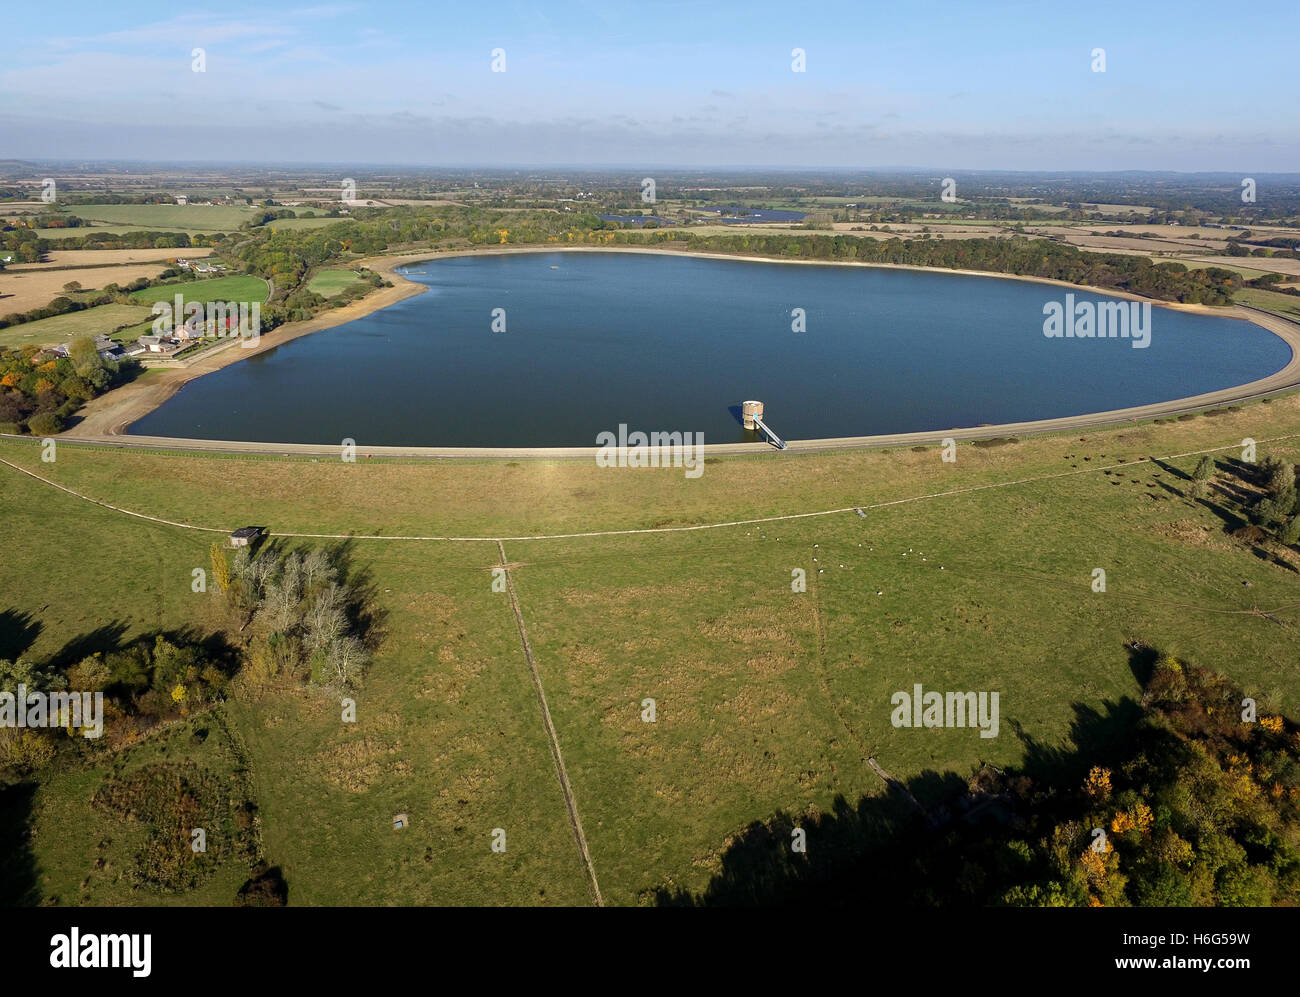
<point x="92" y="257"/>
<point x="656" y="595"/>
<point x="357" y="765"/>
<point x="1274" y="264"/>
<point x="1195" y="534"/>
<point x="746" y="626"/>
<point x="23" y="290"/>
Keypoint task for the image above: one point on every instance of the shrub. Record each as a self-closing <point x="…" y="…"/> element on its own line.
<point x="265" y="888"/>
<point x="1279" y="475"/>
<point x="45" y="424"/>
<point x="1290" y="532"/>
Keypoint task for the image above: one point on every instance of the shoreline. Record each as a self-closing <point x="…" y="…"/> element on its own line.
<point x="109" y="415"/>
<point x="105" y="419"/>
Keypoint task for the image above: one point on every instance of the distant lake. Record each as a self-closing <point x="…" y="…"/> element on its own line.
<point x="635" y="219"/>
<point x="752" y="216"/>
<point x="671" y="343"/>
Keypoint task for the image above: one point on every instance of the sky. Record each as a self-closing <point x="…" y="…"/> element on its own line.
<point x="1187" y="86"/>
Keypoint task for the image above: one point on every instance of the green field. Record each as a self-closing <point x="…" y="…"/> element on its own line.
<point x="767" y="699"/>
<point x="57" y="234"/>
<point x="328" y="283"/>
<point x="177" y="217"/>
<point x="75" y="831"/>
<point x="1286" y="305"/>
<point x="238" y="287"/>
<point x="304" y="222"/>
<point x="1250" y="273"/>
<point x="100" y="320"/>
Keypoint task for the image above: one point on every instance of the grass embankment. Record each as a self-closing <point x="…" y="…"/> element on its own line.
<point x="1286" y="305"/>
<point x="766" y="698"/>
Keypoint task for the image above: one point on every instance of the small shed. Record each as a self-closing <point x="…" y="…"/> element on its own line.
<point x="245" y="535"/>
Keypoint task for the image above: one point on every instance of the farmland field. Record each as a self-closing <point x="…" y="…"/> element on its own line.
<point x="328" y="283"/>
<point x="181" y="217"/>
<point x="234" y="288"/>
<point x="1270" y="264"/>
<point x="304" y="222"/>
<point x="23" y="290"/>
<point x="62" y="234"/>
<point x="1286" y="305"/>
<point x="100" y="320"/>
<point x="74" y="258"/>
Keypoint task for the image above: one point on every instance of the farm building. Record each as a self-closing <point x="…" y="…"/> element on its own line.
<point x="245" y="535"/>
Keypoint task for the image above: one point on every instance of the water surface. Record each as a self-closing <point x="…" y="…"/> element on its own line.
<point x="671" y="343"/>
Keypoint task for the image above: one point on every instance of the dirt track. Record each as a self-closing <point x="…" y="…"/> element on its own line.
<point x="104" y="420"/>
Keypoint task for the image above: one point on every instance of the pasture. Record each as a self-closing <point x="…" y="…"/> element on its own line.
<point x="23" y="290"/>
<point x="237" y="287"/>
<point x="974" y="575"/>
<point x="328" y="283"/>
<point x="102" y="320"/>
<point x="177" y="217"/>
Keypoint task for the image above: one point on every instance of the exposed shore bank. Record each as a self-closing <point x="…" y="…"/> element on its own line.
<point x="105" y="419"/>
<point x="110" y="414"/>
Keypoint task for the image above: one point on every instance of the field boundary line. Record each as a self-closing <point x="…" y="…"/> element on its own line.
<point x="571" y="804"/>
<point x="114" y="508"/>
<point x="673" y="529"/>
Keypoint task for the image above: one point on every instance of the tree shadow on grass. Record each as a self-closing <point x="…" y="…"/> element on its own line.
<point x="214" y="646"/>
<point x="960" y="852"/>
<point x="1243" y="470"/>
<point x="365" y="613"/>
<point x="19" y="883"/>
<point x="1166" y="466"/>
<point x="1098" y="738"/>
<point x="111" y="638"/>
<point x="103" y="640"/>
<point x="1231" y="520"/>
<point x="18" y="632"/>
<point x="266" y="887"/>
<point x="1175" y="492"/>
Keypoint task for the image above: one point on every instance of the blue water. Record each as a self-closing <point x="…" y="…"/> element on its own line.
<point x="636" y="219"/>
<point x="670" y="343"/>
<point x="756" y="215"/>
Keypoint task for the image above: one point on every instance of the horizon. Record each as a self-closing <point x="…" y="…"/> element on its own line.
<point x="1009" y="89"/>
<point x="217" y="166"/>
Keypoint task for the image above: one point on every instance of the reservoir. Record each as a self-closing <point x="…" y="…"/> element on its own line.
<point x="675" y="344"/>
